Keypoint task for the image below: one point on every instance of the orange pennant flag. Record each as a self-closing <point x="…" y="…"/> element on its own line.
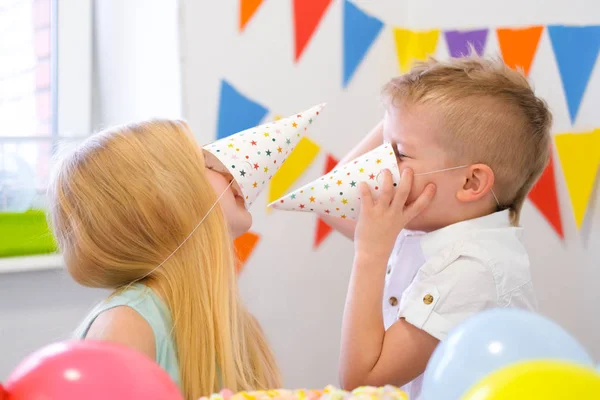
<point x="244" y="246"/>
<point x="518" y="46"/>
<point x="247" y="10"/>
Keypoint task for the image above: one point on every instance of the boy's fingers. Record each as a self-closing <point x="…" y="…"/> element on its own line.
<point x="387" y="188"/>
<point x="366" y="198"/>
<point x="403" y="189"/>
<point x="421" y="202"/>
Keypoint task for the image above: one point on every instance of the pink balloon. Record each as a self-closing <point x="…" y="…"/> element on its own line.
<point x="91" y="370"/>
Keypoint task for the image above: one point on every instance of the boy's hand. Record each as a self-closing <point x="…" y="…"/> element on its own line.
<point x="381" y="219"/>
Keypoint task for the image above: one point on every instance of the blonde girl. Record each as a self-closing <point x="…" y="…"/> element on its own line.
<point x="142" y="210"/>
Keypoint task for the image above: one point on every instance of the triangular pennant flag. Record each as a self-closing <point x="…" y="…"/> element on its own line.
<point x="247" y="10"/>
<point x="518" y="46"/>
<point x="579" y="155"/>
<point x="576" y="50"/>
<point x="307" y="15"/>
<point x="545" y="198"/>
<point x="295" y="165"/>
<point x="323" y="229"/>
<point x="460" y="42"/>
<point x="360" y="31"/>
<point x="244" y="246"/>
<point x="236" y="111"/>
<point x="414" y="45"/>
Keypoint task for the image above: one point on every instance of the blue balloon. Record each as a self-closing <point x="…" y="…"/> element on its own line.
<point x="491" y="340"/>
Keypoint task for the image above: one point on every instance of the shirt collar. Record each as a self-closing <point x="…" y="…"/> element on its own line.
<point x="433" y="242"/>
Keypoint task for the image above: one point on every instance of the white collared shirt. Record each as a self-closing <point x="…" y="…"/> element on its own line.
<point x="437" y="280"/>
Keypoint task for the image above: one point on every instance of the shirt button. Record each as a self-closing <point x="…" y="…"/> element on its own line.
<point x="428" y="299"/>
<point x="389" y="269"/>
<point x="393" y="301"/>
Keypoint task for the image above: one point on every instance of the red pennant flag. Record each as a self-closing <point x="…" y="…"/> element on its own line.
<point x="324" y="230"/>
<point x="307" y="15"/>
<point x="544" y="197"/>
<point x="247" y="10"/>
<point x="518" y="46"/>
<point x="244" y="246"/>
<point x="330" y="163"/>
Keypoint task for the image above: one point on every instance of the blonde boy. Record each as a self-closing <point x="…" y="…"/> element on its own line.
<point x="472" y="139"/>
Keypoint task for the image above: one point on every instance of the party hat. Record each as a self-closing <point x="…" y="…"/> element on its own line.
<point x="254" y="155"/>
<point x="337" y="193"/>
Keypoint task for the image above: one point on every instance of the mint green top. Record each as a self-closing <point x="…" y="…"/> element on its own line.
<point x="146" y="303"/>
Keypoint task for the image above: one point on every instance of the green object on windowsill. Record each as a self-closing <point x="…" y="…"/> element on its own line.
<point x="25" y="234"/>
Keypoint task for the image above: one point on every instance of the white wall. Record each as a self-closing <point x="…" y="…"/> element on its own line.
<point x="37" y="308"/>
<point x="298" y="293"/>
<point x="136" y="54"/>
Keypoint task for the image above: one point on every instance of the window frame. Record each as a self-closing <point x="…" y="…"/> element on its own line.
<point x="71" y="91"/>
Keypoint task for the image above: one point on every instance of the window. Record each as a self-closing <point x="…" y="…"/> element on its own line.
<point x="45" y="65"/>
<point x="45" y="99"/>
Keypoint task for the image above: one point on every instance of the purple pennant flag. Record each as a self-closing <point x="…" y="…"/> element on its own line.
<point x="458" y="41"/>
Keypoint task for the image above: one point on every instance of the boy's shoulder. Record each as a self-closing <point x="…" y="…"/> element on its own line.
<point x="473" y="266"/>
<point x="489" y="244"/>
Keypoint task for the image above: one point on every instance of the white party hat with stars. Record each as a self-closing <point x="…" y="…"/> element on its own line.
<point x="254" y="155"/>
<point x="337" y="193"/>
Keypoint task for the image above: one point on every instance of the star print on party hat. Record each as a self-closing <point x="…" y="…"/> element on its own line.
<point x="254" y="155"/>
<point x="337" y="193"/>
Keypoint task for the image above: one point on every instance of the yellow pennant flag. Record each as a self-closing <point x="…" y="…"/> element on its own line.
<point x="579" y="155"/>
<point x="414" y="45"/>
<point x="293" y="167"/>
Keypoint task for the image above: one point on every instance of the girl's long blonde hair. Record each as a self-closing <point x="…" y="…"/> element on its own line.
<point x="121" y="203"/>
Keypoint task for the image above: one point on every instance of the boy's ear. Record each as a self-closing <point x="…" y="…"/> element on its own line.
<point x="478" y="181"/>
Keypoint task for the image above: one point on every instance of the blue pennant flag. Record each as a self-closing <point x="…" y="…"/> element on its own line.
<point x="237" y="112"/>
<point x="576" y="50"/>
<point x="360" y="31"/>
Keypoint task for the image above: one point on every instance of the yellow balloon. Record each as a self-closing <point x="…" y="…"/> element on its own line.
<point x="540" y="379"/>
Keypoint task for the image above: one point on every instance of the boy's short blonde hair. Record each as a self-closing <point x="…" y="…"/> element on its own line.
<point x="491" y="115"/>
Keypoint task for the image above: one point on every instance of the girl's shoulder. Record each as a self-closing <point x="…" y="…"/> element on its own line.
<point x="141" y="299"/>
<point x="153" y="310"/>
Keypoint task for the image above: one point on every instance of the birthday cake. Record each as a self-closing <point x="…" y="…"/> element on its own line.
<point x="329" y="393"/>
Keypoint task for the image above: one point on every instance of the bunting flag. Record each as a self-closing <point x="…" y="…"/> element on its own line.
<point x="244" y="246"/>
<point x="414" y="45"/>
<point x="459" y="42"/>
<point x="579" y="155"/>
<point x="295" y="165"/>
<point x="545" y="198"/>
<point x="236" y="111"/>
<point x="247" y="10"/>
<point x="360" y="31"/>
<point x="307" y="15"/>
<point x="576" y="50"/>
<point x="323" y="229"/>
<point x="519" y="46"/>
